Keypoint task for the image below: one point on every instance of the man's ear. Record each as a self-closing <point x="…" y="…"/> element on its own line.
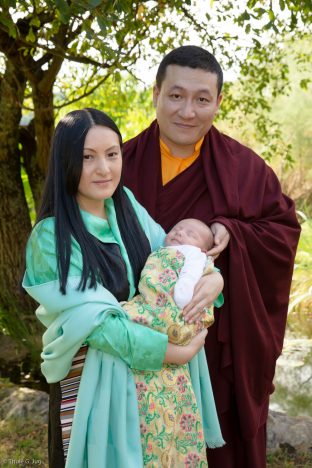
<point x="156" y="92"/>
<point x="219" y="100"/>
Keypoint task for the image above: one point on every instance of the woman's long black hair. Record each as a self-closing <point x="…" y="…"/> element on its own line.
<point x="59" y="200"/>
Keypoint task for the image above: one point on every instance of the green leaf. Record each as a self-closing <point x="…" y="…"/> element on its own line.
<point x="117" y="77"/>
<point x="242" y="18"/>
<point x="282" y="5"/>
<point x="260" y="11"/>
<point x="31" y="36"/>
<point x="271" y="15"/>
<point x="257" y="43"/>
<point x="63" y="9"/>
<point x="10" y="25"/>
<point x="251" y="3"/>
<point x="304" y="83"/>
<point x="9" y="3"/>
<point x="94" y="3"/>
<point x="35" y="21"/>
<point x="102" y="24"/>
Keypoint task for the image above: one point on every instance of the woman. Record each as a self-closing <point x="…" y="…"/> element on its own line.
<point x="84" y="255"/>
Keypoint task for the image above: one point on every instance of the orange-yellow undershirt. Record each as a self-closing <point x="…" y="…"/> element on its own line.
<point x="171" y="166"/>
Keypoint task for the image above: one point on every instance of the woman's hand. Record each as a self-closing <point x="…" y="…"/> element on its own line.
<point x="176" y="354"/>
<point x="206" y="291"/>
<point x="221" y="238"/>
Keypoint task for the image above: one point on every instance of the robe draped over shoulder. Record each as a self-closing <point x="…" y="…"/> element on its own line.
<point x="230" y="184"/>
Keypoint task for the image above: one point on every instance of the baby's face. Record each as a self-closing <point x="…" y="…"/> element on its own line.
<point x="191" y="232"/>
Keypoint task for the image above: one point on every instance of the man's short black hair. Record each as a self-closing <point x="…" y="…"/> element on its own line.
<point x="193" y="57"/>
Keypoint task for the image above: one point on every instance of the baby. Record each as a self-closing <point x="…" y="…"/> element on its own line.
<point x="168" y="280"/>
<point x="166" y="286"/>
<point x="193" y="239"/>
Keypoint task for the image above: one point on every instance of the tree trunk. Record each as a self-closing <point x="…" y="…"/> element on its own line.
<point x="28" y="153"/>
<point x="36" y="166"/>
<point x="17" y="310"/>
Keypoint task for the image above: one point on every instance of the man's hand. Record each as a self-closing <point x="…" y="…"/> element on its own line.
<point x="221" y="239"/>
<point x="206" y="291"/>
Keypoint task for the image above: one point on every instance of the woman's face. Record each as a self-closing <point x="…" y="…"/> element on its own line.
<point x="101" y="171"/>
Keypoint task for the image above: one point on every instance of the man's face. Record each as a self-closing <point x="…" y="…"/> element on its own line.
<point x="185" y="105"/>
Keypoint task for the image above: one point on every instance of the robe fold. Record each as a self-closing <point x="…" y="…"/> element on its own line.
<point x="230" y="184"/>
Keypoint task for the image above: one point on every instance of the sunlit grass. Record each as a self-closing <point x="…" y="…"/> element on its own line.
<point x="26" y="440"/>
<point x="285" y="459"/>
<point x="23" y="442"/>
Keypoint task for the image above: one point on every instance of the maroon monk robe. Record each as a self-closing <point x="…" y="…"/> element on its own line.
<point x="230" y="184"/>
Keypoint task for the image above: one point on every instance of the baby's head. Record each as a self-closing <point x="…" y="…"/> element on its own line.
<point x="191" y="232"/>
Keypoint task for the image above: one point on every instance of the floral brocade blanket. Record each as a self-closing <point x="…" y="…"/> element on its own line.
<point x="155" y="306"/>
<point x="170" y="422"/>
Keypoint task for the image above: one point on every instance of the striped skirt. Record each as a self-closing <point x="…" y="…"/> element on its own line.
<point x="63" y="397"/>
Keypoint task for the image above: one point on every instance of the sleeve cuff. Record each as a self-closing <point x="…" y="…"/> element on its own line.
<point x="148" y="353"/>
<point x="219" y="301"/>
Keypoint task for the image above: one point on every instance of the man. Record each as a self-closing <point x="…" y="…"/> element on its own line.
<point x="182" y="167"/>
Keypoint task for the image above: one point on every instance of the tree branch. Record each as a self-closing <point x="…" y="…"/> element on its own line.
<point x="199" y="26"/>
<point x="85" y="94"/>
<point x="49" y="75"/>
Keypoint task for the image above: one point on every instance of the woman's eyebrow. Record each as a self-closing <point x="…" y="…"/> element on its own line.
<point x="112" y="147"/>
<point x="89" y="149"/>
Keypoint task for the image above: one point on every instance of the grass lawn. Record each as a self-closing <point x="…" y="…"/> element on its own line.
<point x="24" y="443"/>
